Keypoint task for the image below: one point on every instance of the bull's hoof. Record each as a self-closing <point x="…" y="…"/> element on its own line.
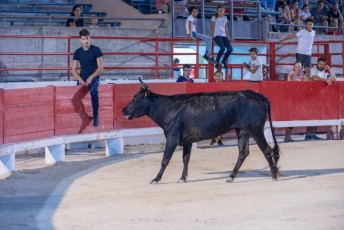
<point x="229" y="180"/>
<point x="155" y="181"/>
<point x="182" y="180"/>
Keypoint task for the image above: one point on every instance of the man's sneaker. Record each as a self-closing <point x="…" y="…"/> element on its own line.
<point x="95" y="121"/>
<point x="219" y="142"/>
<point x="315" y="137"/>
<point x="224" y="65"/>
<point x="309" y="137"/>
<point x="212" y="141"/>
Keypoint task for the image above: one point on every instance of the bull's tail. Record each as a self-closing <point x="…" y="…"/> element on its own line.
<point x="275" y="152"/>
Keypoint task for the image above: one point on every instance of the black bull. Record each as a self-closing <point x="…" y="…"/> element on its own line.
<point x="188" y="118"/>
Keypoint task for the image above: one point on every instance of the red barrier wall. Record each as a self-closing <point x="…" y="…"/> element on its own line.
<point x="341" y="99"/>
<point x="1" y="119"/>
<point x="28" y="114"/>
<point x="303" y="100"/>
<point x="223" y="86"/>
<point x="71" y="101"/>
<point x="125" y="93"/>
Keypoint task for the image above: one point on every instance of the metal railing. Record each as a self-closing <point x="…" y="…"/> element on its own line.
<point x="151" y="57"/>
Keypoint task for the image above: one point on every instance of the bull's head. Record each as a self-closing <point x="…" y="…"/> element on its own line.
<point x="139" y="106"/>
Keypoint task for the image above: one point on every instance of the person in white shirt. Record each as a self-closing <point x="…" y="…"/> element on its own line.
<point x="191" y="23"/>
<point x="305" y="13"/>
<point x="219" y="31"/>
<point x="255" y="67"/>
<point x="321" y="72"/>
<point x="304" y="45"/>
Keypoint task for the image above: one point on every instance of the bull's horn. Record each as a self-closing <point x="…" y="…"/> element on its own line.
<point x="143" y="85"/>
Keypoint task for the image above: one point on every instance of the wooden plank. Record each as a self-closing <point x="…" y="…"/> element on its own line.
<point x="28" y="96"/>
<point x="28" y="136"/>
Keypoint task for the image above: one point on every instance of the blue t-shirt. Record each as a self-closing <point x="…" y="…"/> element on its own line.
<point x="87" y="60"/>
<point x="183" y="79"/>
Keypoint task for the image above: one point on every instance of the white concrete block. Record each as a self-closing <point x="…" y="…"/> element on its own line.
<point x="114" y="146"/>
<point x="7" y="164"/>
<point x="55" y="153"/>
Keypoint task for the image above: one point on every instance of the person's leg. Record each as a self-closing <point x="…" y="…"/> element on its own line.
<point x="288" y="132"/>
<point x="95" y="99"/>
<point x="264" y="4"/>
<point x="307" y="64"/>
<point x="208" y="42"/>
<point x="273" y="5"/>
<point x="219" y="42"/>
<point x="229" y="49"/>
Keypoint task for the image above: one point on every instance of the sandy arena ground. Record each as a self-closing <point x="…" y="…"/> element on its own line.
<point x="114" y="193"/>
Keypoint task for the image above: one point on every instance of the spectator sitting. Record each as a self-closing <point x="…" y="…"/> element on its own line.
<point x="321" y="72"/>
<point x="285" y="18"/>
<point x="305" y="13"/>
<point x="295" y="14"/>
<point x="162" y="5"/>
<point x="180" y="9"/>
<point x="191" y="23"/>
<point x="76" y="21"/>
<point x="335" y="19"/>
<point x="186" y="74"/>
<point x="94" y="22"/>
<point x="255" y="67"/>
<point x="319" y="15"/>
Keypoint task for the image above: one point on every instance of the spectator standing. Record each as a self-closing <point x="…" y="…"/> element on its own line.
<point x="91" y="66"/>
<point x="219" y="31"/>
<point x="304" y="45"/>
<point x="162" y="5"/>
<point x="295" y="75"/>
<point x="186" y="74"/>
<point x="255" y="67"/>
<point x="218" y="76"/>
<point x="319" y="15"/>
<point x="76" y="21"/>
<point x="305" y="13"/>
<point x="335" y="18"/>
<point x="191" y="23"/>
<point x="321" y="72"/>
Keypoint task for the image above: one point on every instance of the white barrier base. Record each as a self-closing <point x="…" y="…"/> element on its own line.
<point x="7" y="164"/>
<point x="55" y="153"/>
<point x="114" y="146"/>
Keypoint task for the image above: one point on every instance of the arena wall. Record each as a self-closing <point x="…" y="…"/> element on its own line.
<point x="28" y="114"/>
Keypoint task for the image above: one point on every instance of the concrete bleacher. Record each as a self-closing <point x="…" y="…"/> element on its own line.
<point x="22" y="13"/>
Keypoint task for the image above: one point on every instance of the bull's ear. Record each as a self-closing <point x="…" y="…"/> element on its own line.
<point x="143" y="85"/>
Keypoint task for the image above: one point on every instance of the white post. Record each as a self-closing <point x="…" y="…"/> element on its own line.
<point x="7" y="164"/>
<point x="114" y="146"/>
<point x="54" y="153"/>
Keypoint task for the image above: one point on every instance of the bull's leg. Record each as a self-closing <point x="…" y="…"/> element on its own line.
<point x="169" y="150"/>
<point x="243" y="144"/>
<point x="259" y="137"/>
<point x="186" y="158"/>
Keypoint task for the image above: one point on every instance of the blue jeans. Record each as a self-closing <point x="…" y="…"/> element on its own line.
<point x="207" y="39"/>
<point x="272" y="4"/>
<point x="223" y="43"/>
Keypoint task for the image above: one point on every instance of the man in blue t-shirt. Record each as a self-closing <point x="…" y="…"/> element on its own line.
<point x="91" y="65"/>
<point x="186" y="74"/>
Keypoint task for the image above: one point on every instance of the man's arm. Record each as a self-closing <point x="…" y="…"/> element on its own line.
<point x="98" y="71"/>
<point x="290" y="36"/>
<point x="75" y="72"/>
<point x="255" y="67"/>
<point x="332" y="75"/>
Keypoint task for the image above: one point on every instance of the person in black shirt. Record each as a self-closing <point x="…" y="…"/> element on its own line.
<point x="335" y="17"/>
<point x="76" y="21"/>
<point x="91" y="62"/>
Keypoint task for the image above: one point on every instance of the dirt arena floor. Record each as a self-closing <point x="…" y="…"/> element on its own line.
<point x="96" y="192"/>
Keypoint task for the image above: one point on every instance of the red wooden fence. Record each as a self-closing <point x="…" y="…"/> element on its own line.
<point x="27" y="114"/>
